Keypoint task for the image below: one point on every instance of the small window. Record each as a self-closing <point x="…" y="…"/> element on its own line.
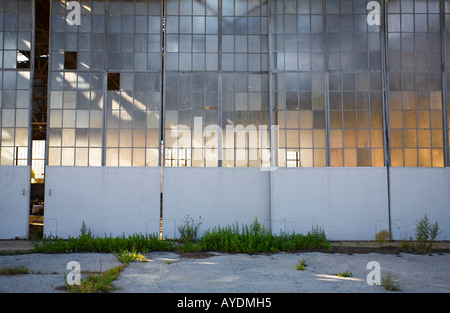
<point x="70" y="60"/>
<point x="113" y="81"/>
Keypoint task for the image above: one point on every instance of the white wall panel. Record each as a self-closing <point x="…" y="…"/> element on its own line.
<point x="14" y="201"/>
<point x="348" y="203"/>
<point x="221" y="196"/>
<point x="110" y="201"/>
<point x="416" y="192"/>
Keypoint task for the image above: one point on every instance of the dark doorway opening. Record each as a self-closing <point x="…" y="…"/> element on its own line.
<point x="39" y="118"/>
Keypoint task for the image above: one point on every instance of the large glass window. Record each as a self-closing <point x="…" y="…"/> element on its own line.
<point x="76" y="95"/>
<point x="298" y="38"/>
<point x="216" y="86"/>
<point x="318" y="70"/>
<point x="355" y="86"/>
<point x="328" y="84"/>
<point x="191" y="83"/>
<point x="245" y="83"/>
<point x="415" y="83"/>
<point x="105" y="84"/>
<point x="134" y="97"/>
<point x="15" y="80"/>
<point x="76" y="117"/>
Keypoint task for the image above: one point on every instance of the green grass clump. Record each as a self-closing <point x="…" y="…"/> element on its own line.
<point x="391" y="282"/>
<point x="18" y="270"/>
<point x="97" y="283"/>
<point x="87" y="242"/>
<point x="102" y="282"/>
<point x="256" y="238"/>
<point x="345" y="274"/>
<point x="251" y="238"/>
<point x="126" y="257"/>
<point x="301" y="266"/>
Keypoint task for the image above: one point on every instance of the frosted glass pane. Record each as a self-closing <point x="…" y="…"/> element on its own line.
<point x="306" y="139"/>
<point x="336" y="158"/>
<point x="8" y="117"/>
<point x="55" y="118"/>
<point x="138" y="157"/>
<point x="152" y="157"/>
<point x="95" y="157"/>
<point x="81" y="158"/>
<point x="68" y="118"/>
<point x="9" y="79"/>
<point x="125" y="138"/>
<point x="95" y="139"/>
<point x="56" y="99"/>
<point x="125" y="157"/>
<point x="7" y="137"/>
<point x="6" y="157"/>
<point x="69" y="99"/>
<point x="306" y="158"/>
<point x="319" y="138"/>
<point x="112" y="156"/>
<point x="68" y="137"/>
<point x="54" y="156"/>
<point x="82" y="138"/>
<point x="23" y="80"/>
<point x="22" y="118"/>
<point x="68" y="156"/>
<point x="54" y="137"/>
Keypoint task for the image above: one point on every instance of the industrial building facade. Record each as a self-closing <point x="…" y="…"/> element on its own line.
<point x="302" y="113"/>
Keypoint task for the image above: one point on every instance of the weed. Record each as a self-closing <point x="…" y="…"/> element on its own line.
<point x="391" y="282"/>
<point x="383" y="236"/>
<point x="18" y="270"/>
<point x="168" y="261"/>
<point x="407" y="245"/>
<point x="301" y="266"/>
<point x="101" y="282"/>
<point x="256" y="238"/>
<point x="189" y="246"/>
<point x="125" y="257"/>
<point x="87" y="242"/>
<point x="426" y="233"/>
<point x="189" y="228"/>
<point x="245" y="239"/>
<point x="345" y="274"/>
<point x="98" y="282"/>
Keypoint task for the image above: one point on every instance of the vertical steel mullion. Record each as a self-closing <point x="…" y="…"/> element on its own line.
<point x="385" y="83"/>
<point x="50" y="73"/>
<point x="161" y="86"/>
<point x="444" y="85"/>
<point x="133" y="92"/>
<point x="272" y="164"/>
<point x="32" y="66"/>
<point x="327" y="87"/>
<point x="164" y="85"/>
<point x="386" y="113"/>
<point x="270" y="81"/>
<point x="219" y="86"/>
<point x="105" y="85"/>
<point x="76" y="71"/>
<point x="161" y="138"/>
<point x="15" y="70"/>
<point x="191" y="148"/>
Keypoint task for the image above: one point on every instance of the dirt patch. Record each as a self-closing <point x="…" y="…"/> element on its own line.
<point x="381" y="250"/>
<point x="341" y="248"/>
<point x="196" y="255"/>
<point x="386" y="248"/>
